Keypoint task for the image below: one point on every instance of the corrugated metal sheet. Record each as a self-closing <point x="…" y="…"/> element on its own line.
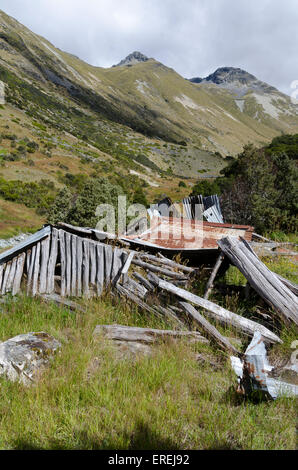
<point x="184" y="234"/>
<point x="196" y="206"/>
<point x="212" y="215"/>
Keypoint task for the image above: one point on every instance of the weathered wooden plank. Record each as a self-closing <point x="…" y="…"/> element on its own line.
<point x="291" y="285"/>
<point x="5" y="277"/>
<point x="108" y="264"/>
<point x="74" y="265"/>
<point x="28" y="260"/>
<point x="211" y="331"/>
<point x="265" y="283"/>
<point x="1" y="274"/>
<point x="118" y="263"/>
<point x="100" y="268"/>
<point x="168" y="262"/>
<point x="145" y="335"/>
<point x="171" y="316"/>
<point x="11" y="275"/>
<point x="68" y="263"/>
<point x="30" y="270"/>
<point x="129" y="295"/>
<point x="36" y="270"/>
<point x="79" y="259"/>
<point x="143" y="281"/>
<point x="93" y="264"/>
<point x="127" y="265"/>
<point x="210" y="282"/>
<point x="19" y="273"/>
<point x="221" y="314"/>
<point x="45" y="253"/>
<point x="86" y="267"/>
<point x="52" y="261"/>
<point x="157" y="269"/>
<point x="26" y="244"/>
<point x="62" y="262"/>
<point x="135" y="287"/>
<point x="62" y="301"/>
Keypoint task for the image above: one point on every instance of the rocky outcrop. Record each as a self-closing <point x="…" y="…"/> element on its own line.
<point x="132" y="59"/>
<point x="23" y="357"/>
<point x="229" y="77"/>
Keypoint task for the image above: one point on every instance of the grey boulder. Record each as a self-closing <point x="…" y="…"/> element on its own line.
<point x="23" y="357"/>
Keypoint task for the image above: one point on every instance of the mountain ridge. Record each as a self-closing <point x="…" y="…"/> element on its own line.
<point x="193" y="121"/>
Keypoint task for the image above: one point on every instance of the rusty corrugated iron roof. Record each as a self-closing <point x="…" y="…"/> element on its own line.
<point x="186" y="234"/>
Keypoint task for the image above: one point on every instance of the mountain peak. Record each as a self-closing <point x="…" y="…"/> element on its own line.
<point x="133" y="58"/>
<point x="236" y="80"/>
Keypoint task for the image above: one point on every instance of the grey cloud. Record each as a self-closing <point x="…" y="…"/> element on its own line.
<point x="192" y="36"/>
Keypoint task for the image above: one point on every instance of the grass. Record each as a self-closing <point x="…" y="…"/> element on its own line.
<point x="91" y="398"/>
<point x="16" y="218"/>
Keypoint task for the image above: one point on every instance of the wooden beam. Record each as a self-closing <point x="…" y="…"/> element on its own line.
<point x="224" y="316"/>
<point x="210" y="282"/>
<point x="265" y="283"/>
<point x="52" y="261"/>
<point x="157" y="269"/>
<point x="209" y="329"/>
<point x="19" y="272"/>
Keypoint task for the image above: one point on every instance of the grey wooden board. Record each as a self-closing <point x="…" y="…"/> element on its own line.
<point x="74" y="265"/>
<point x="145" y="335"/>
<point x="100" y="268"/>
<point x="135" y="287"/>
<point x="165" y="261"/>
<point x="28" y="260"/>
<point x="5" y="277"/>
<point x="139" y="302"/>
<point x="79" y="260"/>
<point x="30" y="271"/>
<point x="1" y="274"/>
<point x="209" y="329"/>
<point x="86" y="268"/>
<point x="36" y="270"/>
<point x="143" y="281"/>
<point x="108" y="264"/>
<point x="224" y="316"/>
<point x="209" y="285"/>
<point x="62" y="301"/>
<point x="11" y="275"/>
<point x="265" y="283"/>
<point x="62" y="262"/>
<point x="23" y="246"/>
<point x="19" y="272"/>
<point x="93" y="263"/>
<point x="127" y="263"/>
<point x="157" y="269"/>
<point x="118" y="257"/>
<point x="45" y="253"/>
<point x="52" y="261"/>
<point x="68" y="262"/>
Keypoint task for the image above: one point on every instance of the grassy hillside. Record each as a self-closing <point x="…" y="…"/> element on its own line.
<point x="93" y="398"/>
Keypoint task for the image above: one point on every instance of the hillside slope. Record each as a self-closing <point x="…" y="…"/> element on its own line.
<point x="139" y="116"/>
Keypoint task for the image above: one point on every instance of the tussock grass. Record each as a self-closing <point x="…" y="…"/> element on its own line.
<point x="92" y="398"/>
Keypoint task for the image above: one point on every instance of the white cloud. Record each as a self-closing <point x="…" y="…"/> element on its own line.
<point x="192" y="36"/>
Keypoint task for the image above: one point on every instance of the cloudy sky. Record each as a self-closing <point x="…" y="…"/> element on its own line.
<point x="192" y="36"/>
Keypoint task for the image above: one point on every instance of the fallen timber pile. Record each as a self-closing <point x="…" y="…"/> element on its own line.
<point x="61" y="262"/>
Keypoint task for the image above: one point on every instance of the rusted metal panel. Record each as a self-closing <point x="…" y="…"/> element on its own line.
<point x="254" y="372"/>
<point x="187" y="234"/>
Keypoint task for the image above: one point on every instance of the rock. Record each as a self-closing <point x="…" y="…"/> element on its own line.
<point x="24" y="356"/>
<point x="132" y="59"/>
